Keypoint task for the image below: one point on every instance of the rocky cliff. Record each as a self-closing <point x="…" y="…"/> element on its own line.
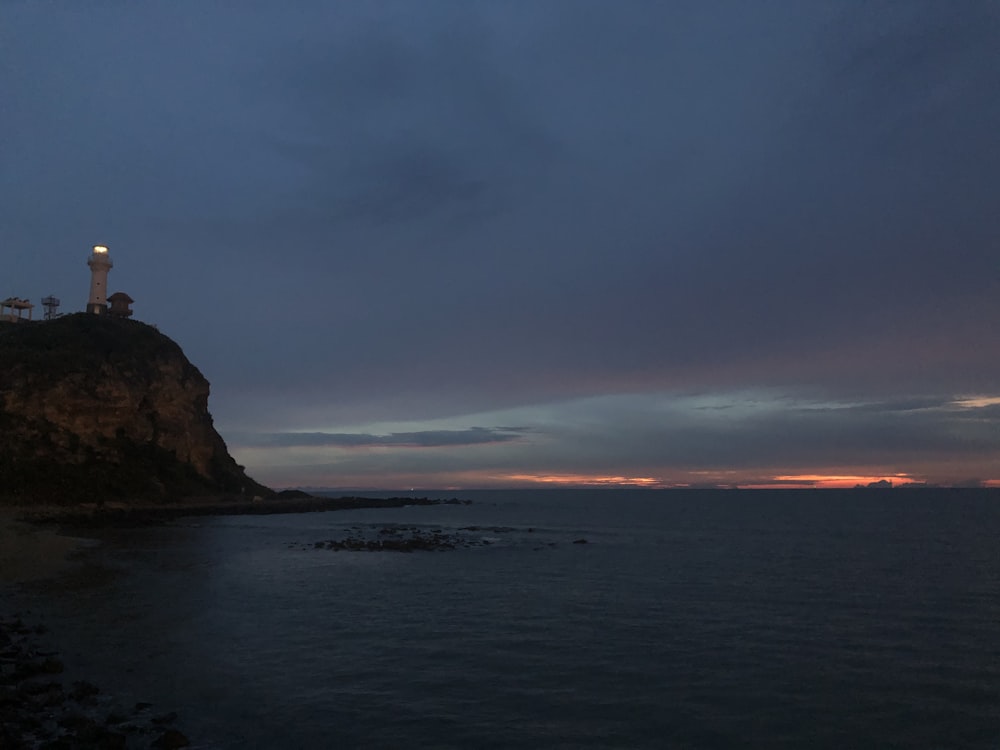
<point x="96" y="409"/>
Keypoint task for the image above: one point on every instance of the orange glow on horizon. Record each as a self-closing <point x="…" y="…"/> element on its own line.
<point x="724" y="479"/>
<point x="828" y="481"/>
<point x="576" y="480"/>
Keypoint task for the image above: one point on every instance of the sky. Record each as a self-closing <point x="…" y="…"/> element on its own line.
<point x="466" y="244"/>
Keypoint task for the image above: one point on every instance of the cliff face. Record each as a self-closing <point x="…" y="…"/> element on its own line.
<point x="95" y="408"/>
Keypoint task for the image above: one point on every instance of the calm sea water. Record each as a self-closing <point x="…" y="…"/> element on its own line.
<point x="690" y="620"/>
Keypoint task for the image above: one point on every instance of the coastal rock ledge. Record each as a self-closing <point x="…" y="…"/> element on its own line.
<point x="96" y="409"/>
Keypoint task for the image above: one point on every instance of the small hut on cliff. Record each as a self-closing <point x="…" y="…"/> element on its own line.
<point x="120" y="305"/>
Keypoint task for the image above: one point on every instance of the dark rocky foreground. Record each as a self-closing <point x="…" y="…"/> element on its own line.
<point x="38" y="711"/>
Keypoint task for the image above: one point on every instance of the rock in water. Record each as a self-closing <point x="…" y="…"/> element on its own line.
<point x="170" y="740"/>
<point x="94" y="408"/>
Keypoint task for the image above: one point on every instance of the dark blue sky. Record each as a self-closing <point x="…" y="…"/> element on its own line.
<point x="489" y="243"/>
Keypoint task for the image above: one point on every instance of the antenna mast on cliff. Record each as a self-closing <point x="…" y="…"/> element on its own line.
<point x="51" y="304"/>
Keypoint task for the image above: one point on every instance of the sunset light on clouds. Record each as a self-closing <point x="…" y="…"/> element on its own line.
<point x="656" y="440"/>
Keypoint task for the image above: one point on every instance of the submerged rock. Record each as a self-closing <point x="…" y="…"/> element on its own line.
<point x="170" y="740"/>
<point x="399" y="538"/>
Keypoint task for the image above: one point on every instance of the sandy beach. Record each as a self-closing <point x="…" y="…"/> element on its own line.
<point x="31" y="552"/>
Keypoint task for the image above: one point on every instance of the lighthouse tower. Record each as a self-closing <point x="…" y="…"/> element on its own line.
<point x="100" y="263"/>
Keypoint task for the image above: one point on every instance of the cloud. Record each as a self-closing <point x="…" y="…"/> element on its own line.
<point x="403" y="118"/>
<point x="423" y="439"/>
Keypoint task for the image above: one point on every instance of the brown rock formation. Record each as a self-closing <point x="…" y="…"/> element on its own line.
<point x="96" y="408"/>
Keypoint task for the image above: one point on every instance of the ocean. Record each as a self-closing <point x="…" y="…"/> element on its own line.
<point x="688" y="619"/>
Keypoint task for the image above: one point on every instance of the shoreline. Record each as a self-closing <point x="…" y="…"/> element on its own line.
<point x="39" y="542"/>
<point x="123" y="514"/>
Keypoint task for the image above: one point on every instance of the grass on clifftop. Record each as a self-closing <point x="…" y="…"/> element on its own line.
<point x="53" y="349"/>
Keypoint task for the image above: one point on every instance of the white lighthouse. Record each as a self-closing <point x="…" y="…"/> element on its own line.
<point x="100" y="263"/>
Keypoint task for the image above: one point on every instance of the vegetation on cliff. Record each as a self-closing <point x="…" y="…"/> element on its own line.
<point x="96" y="409"/>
